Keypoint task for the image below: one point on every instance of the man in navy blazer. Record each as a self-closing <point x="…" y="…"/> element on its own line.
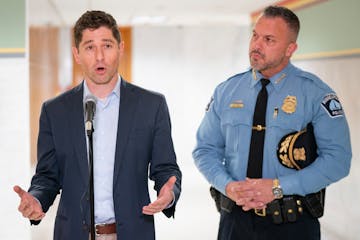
<point x="132" y="142"/>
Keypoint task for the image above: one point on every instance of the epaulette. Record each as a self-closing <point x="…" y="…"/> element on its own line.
<point x="313" y="78"/>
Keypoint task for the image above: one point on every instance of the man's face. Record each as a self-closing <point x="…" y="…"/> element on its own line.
<point x="99" y="55"/>
<point x="271" y="46"/>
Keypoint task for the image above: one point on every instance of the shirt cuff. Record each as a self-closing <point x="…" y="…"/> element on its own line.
<point x="173" y="201"/>
<point x="39" y="203"/>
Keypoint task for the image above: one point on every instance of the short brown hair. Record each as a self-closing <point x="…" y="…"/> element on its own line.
<point x="94" y="20"/>
<point x="286" y="14"/>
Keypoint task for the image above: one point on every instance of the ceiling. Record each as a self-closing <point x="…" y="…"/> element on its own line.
<point x="147" y="12"/>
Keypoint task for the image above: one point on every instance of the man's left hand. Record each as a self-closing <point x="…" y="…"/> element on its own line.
<point x="164" y="199"/>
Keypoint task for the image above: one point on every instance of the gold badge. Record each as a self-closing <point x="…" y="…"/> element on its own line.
<point x="237" y="104"/>
<point x="289" y="104"/>
<point x="299" y="154"/>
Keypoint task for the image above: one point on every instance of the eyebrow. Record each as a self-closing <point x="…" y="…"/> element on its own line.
<point x="270" y="36"/>
<point x="103" y="40"/>
<point x="266" y="35"/>
<point x="87" y="42"/>
<point x="107" y="40"/>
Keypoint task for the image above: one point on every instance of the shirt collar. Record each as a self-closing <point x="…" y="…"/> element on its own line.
<point x="277" y="80"/>
<point x="115" y="91"/>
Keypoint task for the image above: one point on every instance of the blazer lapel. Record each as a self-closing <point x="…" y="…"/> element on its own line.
<point x="128" y="105"/>
<point x="77" y="126"/>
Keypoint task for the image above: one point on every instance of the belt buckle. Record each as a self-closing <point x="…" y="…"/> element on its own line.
<point x="260" y="212"/>
<point x="96" y="229"/>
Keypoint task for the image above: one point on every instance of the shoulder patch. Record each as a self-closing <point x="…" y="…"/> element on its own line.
<point x="209" y="104"/>
<point x="332" y="105"/>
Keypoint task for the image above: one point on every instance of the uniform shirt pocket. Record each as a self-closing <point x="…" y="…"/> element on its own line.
<point x="284" y="122"/>
<point x="278" y="127"/>
<point x="236" y="129"/>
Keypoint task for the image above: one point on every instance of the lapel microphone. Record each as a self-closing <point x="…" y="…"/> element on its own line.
<point x="90" y="108"/>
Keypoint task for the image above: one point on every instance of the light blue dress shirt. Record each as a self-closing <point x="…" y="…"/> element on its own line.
<point x="295" y="99"/>
<point x="104" y="146"/>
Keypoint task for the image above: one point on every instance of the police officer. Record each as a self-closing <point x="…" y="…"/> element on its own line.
<point x="295" y="98"/>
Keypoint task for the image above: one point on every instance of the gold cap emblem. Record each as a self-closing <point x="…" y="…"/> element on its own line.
<point x="289" y="104"/>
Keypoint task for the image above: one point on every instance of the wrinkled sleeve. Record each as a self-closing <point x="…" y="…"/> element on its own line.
<point x="163" y="164"/>
<point x="45" y="183"/>
<point x="209" y="153"/>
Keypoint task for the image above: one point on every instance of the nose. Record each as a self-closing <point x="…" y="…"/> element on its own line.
<point x="256" y="44"/>
<point x="99" y="54"/>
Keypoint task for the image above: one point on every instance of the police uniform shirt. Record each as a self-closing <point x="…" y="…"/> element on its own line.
<point x="295" y="98"/>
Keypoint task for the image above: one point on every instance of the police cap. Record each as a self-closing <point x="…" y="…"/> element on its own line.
<point x="298" y="149"/>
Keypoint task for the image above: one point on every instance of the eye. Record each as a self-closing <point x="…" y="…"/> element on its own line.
<point x="269" y="40"/>
<point x="108" y="46"/>
<point x="254" y="36"/>
<point x="89" y="47"/>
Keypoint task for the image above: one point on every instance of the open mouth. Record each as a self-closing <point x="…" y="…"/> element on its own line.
<point x="100" y="70"/>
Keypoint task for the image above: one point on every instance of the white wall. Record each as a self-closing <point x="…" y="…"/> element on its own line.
<point x="186" y="64"/>
<point x="341" y="212"/>
<point x="14" y="145"/>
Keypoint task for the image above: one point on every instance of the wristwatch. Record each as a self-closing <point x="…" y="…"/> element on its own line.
<point x="276" y="189"/>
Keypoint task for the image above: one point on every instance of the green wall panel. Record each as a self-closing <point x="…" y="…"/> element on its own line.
<point x="330" y="26"/>
<point x="12" y="24"/>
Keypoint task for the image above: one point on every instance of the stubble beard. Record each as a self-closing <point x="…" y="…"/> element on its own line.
<point x="257" y="65"/>
<point x="261" y="65"/>
<point x="255" y="61"/>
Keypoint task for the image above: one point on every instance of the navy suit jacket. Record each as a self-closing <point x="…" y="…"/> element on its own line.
<point x="144" y="149"/>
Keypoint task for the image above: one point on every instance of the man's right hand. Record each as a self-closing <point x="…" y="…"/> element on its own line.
<point x="251" y="193"/>
<point x="234" y="193"/>
<point x="29" y="206"/>
<point x="245" y="194"/>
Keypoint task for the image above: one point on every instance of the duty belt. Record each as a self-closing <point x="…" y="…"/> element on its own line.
<point x="287" y="209"/>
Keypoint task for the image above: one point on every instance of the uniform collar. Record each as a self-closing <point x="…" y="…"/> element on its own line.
<point x="277" y="80"/>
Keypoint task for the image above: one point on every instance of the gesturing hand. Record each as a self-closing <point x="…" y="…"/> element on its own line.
<point x="165" y="197"/>
<point x="29" y="206"/>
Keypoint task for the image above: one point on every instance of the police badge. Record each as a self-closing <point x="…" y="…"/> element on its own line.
<point x="289" y="104"/>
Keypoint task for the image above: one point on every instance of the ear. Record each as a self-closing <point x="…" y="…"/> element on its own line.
<point x="75" y="52"/>
<point x="291" y="49"/>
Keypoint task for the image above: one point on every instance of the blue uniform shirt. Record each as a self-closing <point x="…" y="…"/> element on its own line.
<point x="295" y="98"/>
